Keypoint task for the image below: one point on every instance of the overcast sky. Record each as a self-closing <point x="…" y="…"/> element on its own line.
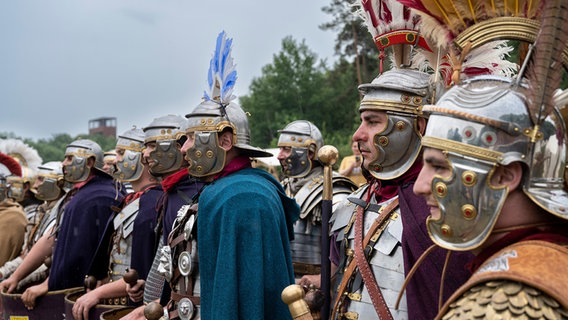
<point x="64" y="62"/>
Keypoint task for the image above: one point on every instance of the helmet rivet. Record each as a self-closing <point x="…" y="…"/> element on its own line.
<point x="202" y="121"/>
<point x="469" y="178"/>
<point x="400" y="125"/>
<point x="446" y="230"/>
<point x="417" y="100"/>
<point x="199" y="168"/>
<point x="469" y="211"/>
<point x="405" y="99"/>
<point x="300" y="139"/>
<point x="198" y="154"/>
<point x="383" y="141"/>
<point x="469" y="133"/>
<point x="209" y="154"/>
<point x="293" y="138"/>
<point x="209" y="121"/>
<point x="303" y="162"/>
<point x="441" y="189"/>
<point x="377" y="168"/>
<point x="489" y="138"/>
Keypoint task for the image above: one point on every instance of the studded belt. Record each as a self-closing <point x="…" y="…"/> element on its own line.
<point x="121" y="301"/>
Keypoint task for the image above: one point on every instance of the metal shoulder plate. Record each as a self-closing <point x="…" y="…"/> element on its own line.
<point x="126" y="217"/>
<point x="311" y="193"/>
<point x="524" y="280"/>
<point x="344" y="210"/>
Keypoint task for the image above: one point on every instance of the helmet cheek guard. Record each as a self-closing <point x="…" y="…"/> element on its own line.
<point x="206" y="157"/>
<point x="77" y="170"/>
<point x="48" y="190"/>
<point x="469" y="205"/>
<point x="167" y="157"/>
<point x="16" y="188"/>
<point x="81" y="150"/>
<point x="130" y="167"/>
<point x="298" y="163"/>
<point x="398" y="146"/>
<point x="302" y="137"/>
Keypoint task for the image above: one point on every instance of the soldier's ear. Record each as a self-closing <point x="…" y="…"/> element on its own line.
<point x="91" y="162"/>
<point x="510" y="175"/>
<point x="226" y="140"/>
<point x="421" y="122"/>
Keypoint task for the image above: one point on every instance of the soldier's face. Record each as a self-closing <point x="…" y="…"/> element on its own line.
<point x="372" y="123"/>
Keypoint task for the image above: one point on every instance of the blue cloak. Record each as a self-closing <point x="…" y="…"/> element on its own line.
<point x="244" y="230"/>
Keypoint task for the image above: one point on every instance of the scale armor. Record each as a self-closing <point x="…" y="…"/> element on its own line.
<point x="505" y="300"/>
<point x="523" y="280"/>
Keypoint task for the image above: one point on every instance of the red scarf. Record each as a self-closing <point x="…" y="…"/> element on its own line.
<point x="79" y="185"/>
<point x="238" y="163"/>
<point x="170" y="181"/>
<point x="388" y="189"/>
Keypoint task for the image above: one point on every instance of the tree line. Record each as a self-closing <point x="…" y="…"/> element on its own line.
<point x="296" y="85"/>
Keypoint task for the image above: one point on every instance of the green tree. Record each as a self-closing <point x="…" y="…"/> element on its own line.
<point x="353" y="41"/>
<point x="296" y="85"/>
<point x="290" y="88"/>
<point x="53" y="149"/>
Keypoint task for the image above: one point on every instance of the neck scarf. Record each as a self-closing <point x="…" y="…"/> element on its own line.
<point x="170" y="181"/>
<point x="238" y="163"/>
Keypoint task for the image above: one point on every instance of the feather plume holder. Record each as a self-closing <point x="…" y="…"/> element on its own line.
<point x="512" y="28"/>
<point x="399" y="37"/>
<point x="403" y="36"/>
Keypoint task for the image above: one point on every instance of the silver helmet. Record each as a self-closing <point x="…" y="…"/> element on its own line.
<point x="205" y="122"/>
<point x="80" y="151"/>
<point x="51" y="176"/>
<point x="479" y="125"/>
<point x="9" y="168"/>
<point x="400" y="93"/>
<point x="131" y="145"/>
<point x="165" y="132"/>
<point x="303" y="137"/>
<point x="28" y="158"/>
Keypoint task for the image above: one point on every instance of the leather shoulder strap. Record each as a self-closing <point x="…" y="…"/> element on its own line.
<point x="380" y="220"/>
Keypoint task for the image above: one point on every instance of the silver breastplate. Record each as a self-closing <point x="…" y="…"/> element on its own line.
<point x="306" y="246"/>
<point x="386" y="261"/>
<point x="121" y="250"/>
<point x="49" y="219"/>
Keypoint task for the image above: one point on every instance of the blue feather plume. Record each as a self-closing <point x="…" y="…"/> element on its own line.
<point x="222" y="73"/>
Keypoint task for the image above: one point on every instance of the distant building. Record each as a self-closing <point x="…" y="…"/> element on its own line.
<point x="105" y="126"/>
